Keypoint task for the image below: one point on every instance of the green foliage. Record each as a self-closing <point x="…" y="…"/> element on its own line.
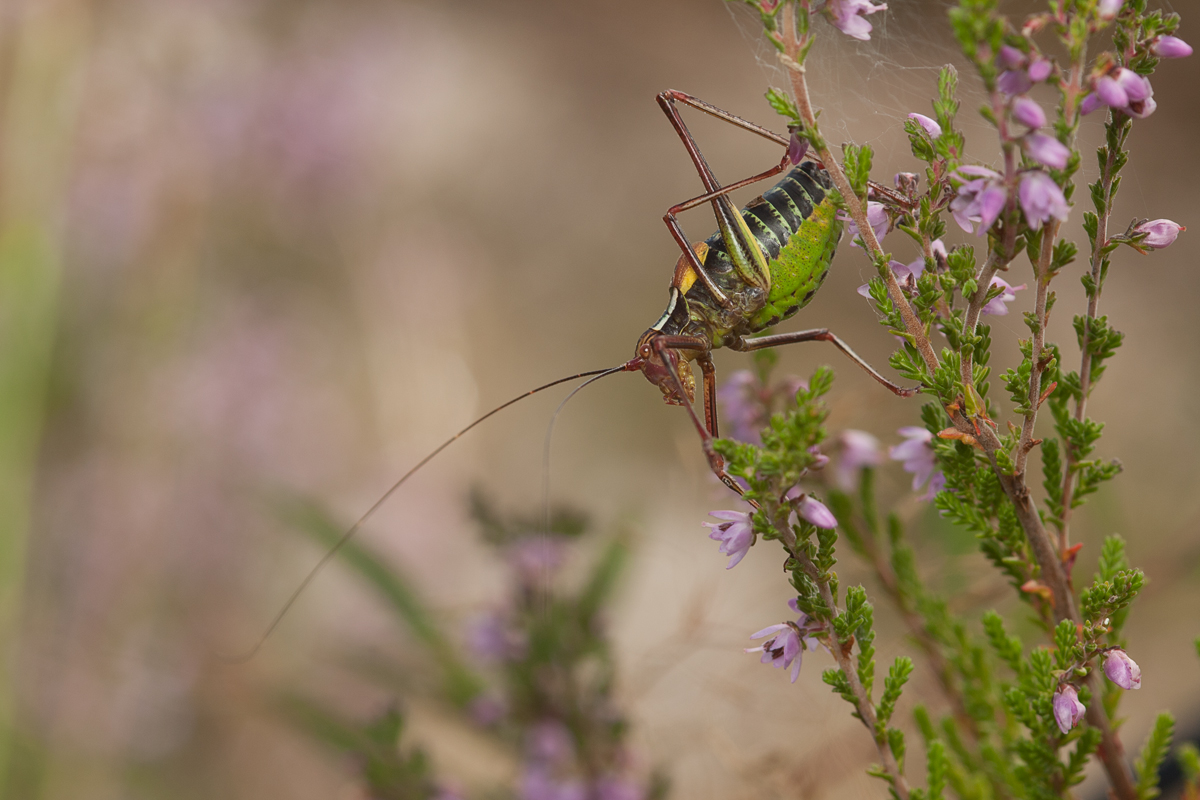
<point x="898" y="675"/>
<point x="857" y="165"/>
<point x="1158" y="744"/>
<point x="1104" y="598"/>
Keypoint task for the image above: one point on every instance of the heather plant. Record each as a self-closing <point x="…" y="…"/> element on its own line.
<point x="1024" y="718"/>
<point x="534" y="671"/>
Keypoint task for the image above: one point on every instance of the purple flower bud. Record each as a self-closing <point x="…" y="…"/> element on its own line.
<point x="735" y="534"/>
<point x="1160" y="233"/>
<point x="1067" y="708"/>
<point x="930" y="125"/>
<point x="1108" y="9"/>
<point x="1040" y="69"/>
<point x="1127" y="92"/>
<point x="797" y="147"/>
<point x="814" y="511"/>
<point x="1041" y="199"/>
<point x="1090" y="103"/>
<point x="1013" y="82"/>
<point x="1110" y="92"/>
<point x="1137" y="87"/>
<point x="1010" y="57"/>
<point x="1170" y="47"/>
<point x="1046" y="150"/>
<point x="1027" y="112"/>
<point x="1122" y="670"/>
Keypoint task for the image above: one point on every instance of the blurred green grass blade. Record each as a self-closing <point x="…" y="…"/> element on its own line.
<point x="605" y="573"/>
<point x="45" y="52"/>
<point x="461" y="683"/>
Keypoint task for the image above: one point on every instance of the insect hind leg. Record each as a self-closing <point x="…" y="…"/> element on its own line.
<point x="747" y="344"/>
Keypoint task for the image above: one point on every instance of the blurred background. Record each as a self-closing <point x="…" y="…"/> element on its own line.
<point x="252" y="247"/>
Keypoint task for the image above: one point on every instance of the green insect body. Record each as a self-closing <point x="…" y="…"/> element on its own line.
<point x="769" y="260"/>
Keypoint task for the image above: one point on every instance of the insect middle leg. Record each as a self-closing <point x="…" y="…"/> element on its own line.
<point x="748" y="344"/>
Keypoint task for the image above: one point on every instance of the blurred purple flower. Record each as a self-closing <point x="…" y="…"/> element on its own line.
<point x="980" y="199"/>
<point x="740" y="399"/>
<point x="1067" y="708"/>
<point x="816" y="512"/>
<point x="859" y="449"/>
<point x="549" y="742"/>
<point x="1160" y="233"/>
<point x="1108" y="9"/>
<point x="1046" y="150"/>
<point x="936" y="484"/>
<point x="930" y="125"/>
<point x="848" y="16"/>
<point x="1040" y="69"/>
<point x="916" y="453"/>
<point x="537" y="784"/>
<point x="613" y="787"/>
<point x="1027" y="112"/>
<point x="486" y="710"/>
<point x="997" y="306"/>
<point x="1010" y="57"/>
<point x="1127" y="92"/>
<point x="491" y="639"/>
<point x="788" y="642"/>
<point x="877" y="218"/>
<point x="1041" y="198"/>
<point x="821" y="460"/>
<point x="1013" y="82"/>
<point x="1090" y="103"/>
<point x="535" y="558"/>
<point x="1170" y="47"/>
<point x="1122" y="670"/>
<point x="735" y="534"/>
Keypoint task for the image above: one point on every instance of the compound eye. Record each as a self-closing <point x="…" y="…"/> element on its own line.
<point x="645" y="351"/>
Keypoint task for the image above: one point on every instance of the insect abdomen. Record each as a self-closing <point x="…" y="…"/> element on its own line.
<point x="795" y="225"/>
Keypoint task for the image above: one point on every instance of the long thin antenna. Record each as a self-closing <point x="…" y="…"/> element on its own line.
<point x="353" y="529"/>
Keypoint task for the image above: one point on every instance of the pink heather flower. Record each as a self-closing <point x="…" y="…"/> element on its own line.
<point x="1170" y="47"/>
<point x="1127" y="92"/>
<point x="859" y="450"/>
<point x="916" y="454"/>
<point x="979" y="200"/>
<point x="936" y="484"/>
<point x="537" y="784"/>
<point x="1160" y="233"/>
<point x="1122" y="670"/>
<point x="1040" y="69"/>
<point x="877" y="218"/>
<point x="1108" y="9"/>
<point x="788" y="642"/>
<point x="735" y="534"/>
<point x="930" y="125"/>
<point x="908" y="274"/>
<point x="815" y="512"/>
<point x="1041" y="198"/>
<point x="821" y="461"/>
<point x="1067" y="708"/>
<point x="1046" y="150"/>
<point x="997" y="306"/>
<point x="1027" y="112"/>
<point x="848" y="16"/>
<point x="1090" y="103"/>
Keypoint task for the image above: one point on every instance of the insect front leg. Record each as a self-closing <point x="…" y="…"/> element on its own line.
<point x="748" y="344"/>
<point x="662" y="347"/>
